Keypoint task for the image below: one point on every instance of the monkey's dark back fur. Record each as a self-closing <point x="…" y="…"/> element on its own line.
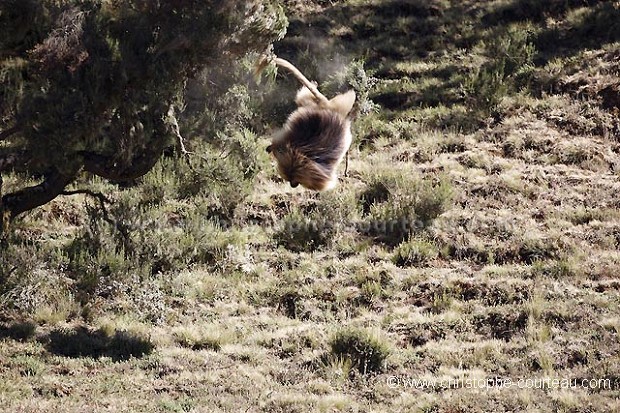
<point x="318" y="134"/>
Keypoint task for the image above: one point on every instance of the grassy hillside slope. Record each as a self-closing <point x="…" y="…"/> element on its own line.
<point x="475" y="238"/>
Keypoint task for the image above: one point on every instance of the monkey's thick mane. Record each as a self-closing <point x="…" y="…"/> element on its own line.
<point x="312" y="174"/>
<point x="317" y="134"/>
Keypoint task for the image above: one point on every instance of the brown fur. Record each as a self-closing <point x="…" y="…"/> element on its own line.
<point x="309" y="147"/>
<point x="313" y="141"/>
<point x="315" y="138"/>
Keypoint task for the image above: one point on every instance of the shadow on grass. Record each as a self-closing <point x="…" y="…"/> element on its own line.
<point x="396" y="29"/>
<point x="533" y="10"/>
<point x="83" y="342"/>
<point x="384" y="33"/>
<point x="601" y="26"/>
<point x="18" y="330"/>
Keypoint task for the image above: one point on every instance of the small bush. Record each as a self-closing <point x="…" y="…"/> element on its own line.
<point x="533" y="249"/>
<point x="300" y="233"/>
<point x="28" y="366"/>
<point x="509" y="67"/>
<point x="375" y="193"/>
<point x="355" y="77"/>
<point x="319" y="223"/>
<point x="411" y="206"/>
<point x="486" y="88"/>
<point x="414" y="252"/>
<point x="368" y="131"/>
<point x="223" y="175"/>
<point x="373" y="285"/>
<point x="556" y="269"/>
<point x="297" y="342"/>
<point x="198" y="341"/>
<point x="45" y="294"/>
<point x="366" y="352"/>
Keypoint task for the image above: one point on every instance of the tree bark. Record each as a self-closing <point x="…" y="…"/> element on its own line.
<point x="8" y="132"/>
<point x="29" y="198"/>
<point x="107" y="166"/>
<point x="110" y="167"/>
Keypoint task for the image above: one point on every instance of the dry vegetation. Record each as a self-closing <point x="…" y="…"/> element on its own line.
<point x="476" y="236"/>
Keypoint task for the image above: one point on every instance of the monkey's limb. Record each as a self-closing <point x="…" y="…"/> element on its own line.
<point x="323" y="101"/>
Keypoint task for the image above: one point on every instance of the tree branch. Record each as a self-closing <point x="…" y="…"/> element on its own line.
<point x="177" y="131"/>
<point x="121" y="227"/>
<point x="303" y="80"/>
<point x="8" y="132"/>
<point x="98" y="195"/>
<point x="108" y="167"/>
<point x="29" y="198"/>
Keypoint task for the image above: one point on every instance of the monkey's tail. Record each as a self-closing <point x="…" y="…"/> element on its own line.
<point x="323" y="101"/>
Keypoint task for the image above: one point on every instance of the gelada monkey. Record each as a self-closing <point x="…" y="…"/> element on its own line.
<point x="315" y="138"/>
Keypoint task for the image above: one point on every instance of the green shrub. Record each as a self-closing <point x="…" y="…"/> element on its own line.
<point x="319" y="223"/>
<point x="221" y="175"/>
<point x="370" y="130"/>
<point x="357" y="78"/>
<point x="189" y="338"/>
<point x="410" y="206"/>
<point x="366" y="352"/>
<point x="509" y="67"/>
<point x="375" y="193"/>
<point x="28" y="365"/>
<point x="374" y="285"/>
<point x="299" y="233"/>
<point x="414" y="252"/>
<point x="44" y="293"/>
<point x="556" y="269"/>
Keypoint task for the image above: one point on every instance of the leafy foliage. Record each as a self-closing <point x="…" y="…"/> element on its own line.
<point x="509" y="66"/>
<point x="93" y="85"/>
